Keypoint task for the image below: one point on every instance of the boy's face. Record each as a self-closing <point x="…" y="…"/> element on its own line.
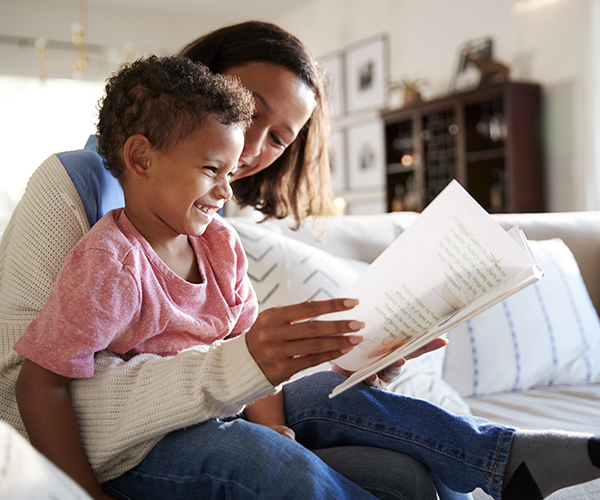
<point x="190" y="182"/>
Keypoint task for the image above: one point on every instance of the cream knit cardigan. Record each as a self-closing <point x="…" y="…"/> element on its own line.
<point x="126" y="407"/>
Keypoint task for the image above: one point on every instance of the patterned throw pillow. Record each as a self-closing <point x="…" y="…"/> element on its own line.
<point x="285" y="271"/>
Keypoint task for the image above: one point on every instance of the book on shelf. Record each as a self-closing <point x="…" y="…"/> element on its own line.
<point x="452" y="263"/>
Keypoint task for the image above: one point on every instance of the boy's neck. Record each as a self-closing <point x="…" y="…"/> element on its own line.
<point x="175" y="250"/>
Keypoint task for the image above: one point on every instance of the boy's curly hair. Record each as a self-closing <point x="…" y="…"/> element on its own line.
<point x="165" y="99"/>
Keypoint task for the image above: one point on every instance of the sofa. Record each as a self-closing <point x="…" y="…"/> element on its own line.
<point x="532" y="361"/>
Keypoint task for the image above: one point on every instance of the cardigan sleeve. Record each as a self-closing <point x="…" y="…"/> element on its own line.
<point x="129" y="405"/>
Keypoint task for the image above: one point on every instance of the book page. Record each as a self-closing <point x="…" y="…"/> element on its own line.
<point x="499" y="293"/>
<point x="450" y="256"/>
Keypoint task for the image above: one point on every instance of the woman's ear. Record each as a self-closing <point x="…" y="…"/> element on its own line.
<point x="136" y="155"/>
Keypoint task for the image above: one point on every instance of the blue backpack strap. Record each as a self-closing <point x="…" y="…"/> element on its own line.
<point x="100" y="192"/>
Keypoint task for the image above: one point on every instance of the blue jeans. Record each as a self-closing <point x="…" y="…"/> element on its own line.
<point x="240" y="460"/>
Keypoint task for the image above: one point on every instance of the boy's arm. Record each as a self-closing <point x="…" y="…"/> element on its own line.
<point x="268" y="411"/>
<point x="49" y="418"/>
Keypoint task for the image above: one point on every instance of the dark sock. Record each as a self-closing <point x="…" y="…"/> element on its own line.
<point x="542" y="462"/>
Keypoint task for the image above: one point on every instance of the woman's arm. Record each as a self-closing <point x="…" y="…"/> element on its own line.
<point x="49" y="418"/>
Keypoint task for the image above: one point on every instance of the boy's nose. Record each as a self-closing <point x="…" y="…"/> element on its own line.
<point x="223" y="190"/>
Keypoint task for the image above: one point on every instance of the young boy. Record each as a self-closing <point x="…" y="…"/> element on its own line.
<point x="139" y="281"/>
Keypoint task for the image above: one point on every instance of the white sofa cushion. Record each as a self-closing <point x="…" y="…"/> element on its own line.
<point x="422" y="378"/>
<point x="547" y="334"/>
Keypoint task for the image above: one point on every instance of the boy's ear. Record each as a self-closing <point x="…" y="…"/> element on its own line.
<point x="136" y="155"/>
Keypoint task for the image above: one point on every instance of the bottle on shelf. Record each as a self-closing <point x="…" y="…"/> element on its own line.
<point x="398" y="199"/>
<point x="497" y="191"/>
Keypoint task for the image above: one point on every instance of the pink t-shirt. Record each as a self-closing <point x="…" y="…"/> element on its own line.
<point x="115" y="293"/>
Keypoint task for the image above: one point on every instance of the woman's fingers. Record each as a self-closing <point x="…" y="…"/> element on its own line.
<point x="315" y="329"/>
<point x="310" y="309"/>
<point x="282" y="342"/>
<point x="389" y="373"/>
<point x="434" y="345"/>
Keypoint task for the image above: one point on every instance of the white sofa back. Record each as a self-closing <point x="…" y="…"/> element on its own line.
<point x="579" y="230"/>
<point x="364" y="237"/>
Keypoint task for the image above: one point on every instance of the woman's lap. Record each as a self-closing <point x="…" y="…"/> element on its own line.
<point x="237" y="459"/>
<point x="232" y="460"/>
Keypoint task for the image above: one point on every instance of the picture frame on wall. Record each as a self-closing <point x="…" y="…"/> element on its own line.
<point x="367" y="74"/>
<point x="465" y="75"/>
<point x="366" y="156"/>
<point x="333" y="65"/>
<point x="338" y="161"/>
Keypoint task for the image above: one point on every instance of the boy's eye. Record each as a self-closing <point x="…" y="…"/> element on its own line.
<point x="213" y="170"/>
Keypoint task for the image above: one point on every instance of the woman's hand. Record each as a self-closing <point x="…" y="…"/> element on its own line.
<point x="384" y="377"/>
<point x="283" y="343"/>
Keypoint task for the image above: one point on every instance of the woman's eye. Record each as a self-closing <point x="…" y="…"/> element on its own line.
<point x="278" y="142"/>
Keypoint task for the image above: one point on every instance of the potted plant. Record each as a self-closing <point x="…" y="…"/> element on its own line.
<point x="410" y="87"/>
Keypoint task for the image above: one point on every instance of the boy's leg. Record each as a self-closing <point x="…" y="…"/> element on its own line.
<point x="232" y="460"/>
<point x="463" y="452"/>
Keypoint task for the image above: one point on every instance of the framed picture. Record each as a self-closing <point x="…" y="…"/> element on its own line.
<point x="367" y="72"/>
<point x="333" y="65"/>
<point x="366" y="161"/>
<point x="465" y="74"/>
<point x="338" y="162"/>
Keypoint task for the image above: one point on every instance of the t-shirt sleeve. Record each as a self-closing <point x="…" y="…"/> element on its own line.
<point x="92" y="301"/>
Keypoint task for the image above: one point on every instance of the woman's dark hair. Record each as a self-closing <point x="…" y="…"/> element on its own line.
<point x="298" y="182"/>
<point x="165" y="99"/>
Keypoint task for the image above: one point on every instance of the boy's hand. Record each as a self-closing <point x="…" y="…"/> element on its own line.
<point x="285" y="431"/>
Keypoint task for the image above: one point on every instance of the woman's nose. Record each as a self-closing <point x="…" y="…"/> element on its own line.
<point x="254" y="140"/>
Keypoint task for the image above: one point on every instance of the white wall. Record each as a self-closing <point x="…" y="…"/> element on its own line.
<point x="546" y="41"/>
<point x="110" y="26"/>
<point x="549" y="41"/>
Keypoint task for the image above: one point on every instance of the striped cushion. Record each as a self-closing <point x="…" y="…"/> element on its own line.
<point x="547" y="334"/>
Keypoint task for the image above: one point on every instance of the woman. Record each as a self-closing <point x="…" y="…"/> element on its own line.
<point x="289" y="136"/>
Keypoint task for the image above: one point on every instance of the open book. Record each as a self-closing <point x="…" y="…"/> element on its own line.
<point x="452" y="263"/>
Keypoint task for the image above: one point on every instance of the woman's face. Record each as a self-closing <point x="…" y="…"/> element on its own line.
<point x="284" y="104"/>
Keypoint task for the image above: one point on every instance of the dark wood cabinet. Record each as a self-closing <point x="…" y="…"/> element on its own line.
<point x="489" y="139"/>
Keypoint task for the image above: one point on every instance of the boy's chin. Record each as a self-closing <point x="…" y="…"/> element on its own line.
<point x="199" y="230"/>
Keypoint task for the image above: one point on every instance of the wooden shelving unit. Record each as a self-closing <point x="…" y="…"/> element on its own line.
<point x="489" y="139"/>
